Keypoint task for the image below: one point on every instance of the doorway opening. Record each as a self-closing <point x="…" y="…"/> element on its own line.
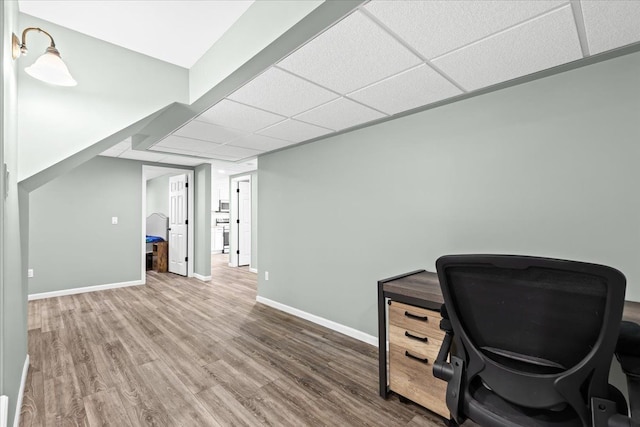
<point x="180" y="220"/>
<point x="240" y="254"/>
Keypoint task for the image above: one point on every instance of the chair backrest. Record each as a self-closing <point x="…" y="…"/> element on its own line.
<point x="538" y="332"/>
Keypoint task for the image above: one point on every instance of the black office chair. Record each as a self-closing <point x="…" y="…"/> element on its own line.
<point x="533" y="341"/>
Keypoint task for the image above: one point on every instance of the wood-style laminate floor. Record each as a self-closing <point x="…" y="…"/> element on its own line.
<point x="181" y="352"/>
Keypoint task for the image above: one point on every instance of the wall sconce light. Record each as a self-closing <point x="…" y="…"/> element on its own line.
<point x="49" y="67"/>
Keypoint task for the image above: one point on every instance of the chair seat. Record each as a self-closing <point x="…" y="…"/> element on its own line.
<point x="628" y="348"/>
<point x="629" y="339"/>
<point x="488" y="409"/>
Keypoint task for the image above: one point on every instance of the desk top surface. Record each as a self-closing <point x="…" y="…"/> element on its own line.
<point x="631" y="311"/>
<point x="424" y="285"/>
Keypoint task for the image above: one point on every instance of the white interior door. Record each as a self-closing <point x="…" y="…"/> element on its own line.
<point x="178" y="224"/>
<point x="244" y="223"/>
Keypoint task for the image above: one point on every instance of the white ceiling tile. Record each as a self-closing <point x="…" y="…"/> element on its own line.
<point x="278" y="91"/>
<point x="260" y="142"/>
<point x="226" y="158"/>
<point x="234" y="115"/>
<point x="437" y="27"/>
<point x="410" y="89"/>
<point x="176" y="145"/>
<point x="208" y="132"/>
<point x="340" y="114"/>
<point x="183" y="161"/>
<point x="162" y="149"/>
<point x="205" y="154"/>
<point x="352" y="54"/>
<point x="542" y="43"/>
<point x="188" y="144"/>
<point x="142" y="155"/>
<point x="611" y="24"/>
<point x="294" y="131"/>
<point x="239" y="152"/>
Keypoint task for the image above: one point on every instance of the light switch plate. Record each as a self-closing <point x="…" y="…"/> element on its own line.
<point x="30" y="272"/>
<point x="114" y="220"/>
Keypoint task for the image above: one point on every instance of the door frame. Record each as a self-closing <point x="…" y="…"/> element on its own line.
<point x="233" y="219"/>
<point x="146" y="171"/>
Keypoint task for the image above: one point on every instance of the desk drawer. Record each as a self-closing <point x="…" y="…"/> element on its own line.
<point x="413" y="379"/>
<point x="415" y="343"/>
<point x="419" y="320"/>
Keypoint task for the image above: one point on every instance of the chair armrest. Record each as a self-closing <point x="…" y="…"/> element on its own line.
<point x="452" y="372"/>
<point x="441" y="368"/>
<point x="628" y="354"/>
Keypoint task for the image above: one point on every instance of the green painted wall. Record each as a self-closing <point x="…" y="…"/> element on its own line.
<point x="116" y="87"/>
<point x="13" y="296"/>
<point x="202" y="217"/>
<point x="72" y="242"/>
<point x="548" y="167"/>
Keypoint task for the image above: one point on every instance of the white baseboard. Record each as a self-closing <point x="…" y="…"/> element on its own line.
<point x="85" y="289"/>
<point x="253" y="270"/>
<point x="4" y="410"/>
<point x="23" y="382"/>
<point x="201" y="277"/>
<point x="346" y="330"/>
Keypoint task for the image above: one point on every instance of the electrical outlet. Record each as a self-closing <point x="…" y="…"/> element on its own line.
<point x="114" y="220"/>
<point x="30" y="272"/>
<point x="266" y="275"/>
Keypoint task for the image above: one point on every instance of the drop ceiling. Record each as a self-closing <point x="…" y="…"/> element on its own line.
<point x="123" y="150"/>
<point x="389" y="57"/>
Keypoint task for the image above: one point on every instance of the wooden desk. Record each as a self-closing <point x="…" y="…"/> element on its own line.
<point x="421" y="288"/>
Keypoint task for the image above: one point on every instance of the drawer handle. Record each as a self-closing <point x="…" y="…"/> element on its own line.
<point x="415" y="316"/>
<point x="415" y="337"/>
<point x="419" y="359"/>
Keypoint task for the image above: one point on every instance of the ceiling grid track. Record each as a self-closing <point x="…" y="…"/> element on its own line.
<point x="412" y="50"/>
<point x="576" y="8"/>
<point x="502" y="31"/>
<point x="338" y="94"/>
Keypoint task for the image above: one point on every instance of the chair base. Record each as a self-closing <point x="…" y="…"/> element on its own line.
<point x="489" y="410"/>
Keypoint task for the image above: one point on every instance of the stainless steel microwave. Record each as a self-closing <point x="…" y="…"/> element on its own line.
<point x="223" y="206"/>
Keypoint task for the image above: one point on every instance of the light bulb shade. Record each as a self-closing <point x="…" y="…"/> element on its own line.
<point x="51" y="69"/>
